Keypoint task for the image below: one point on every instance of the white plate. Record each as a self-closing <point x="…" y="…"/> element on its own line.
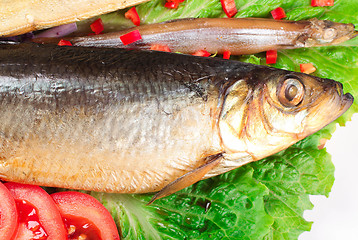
<point x="336" y="217"/>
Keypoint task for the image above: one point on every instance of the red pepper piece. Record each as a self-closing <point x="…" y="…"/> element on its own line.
<point x="307" y="68"/>
<point x="226" y="54"/>
<point x="97" y="26"/>
<point x="322" y="3"/>
<point x="202" y="53"/>
<point x="130" y="37"/>
<point x="171" y="5"/>
<point x="64" y="43"/>
<point x="158" y="47"/>
<point x="132" y="14"/>
<point x="278" y="13"/>
<point x="271" y="56"/>
<point x="229" y="7"/>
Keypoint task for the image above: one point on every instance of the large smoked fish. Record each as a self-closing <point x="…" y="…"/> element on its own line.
<point x="125" y="121"/>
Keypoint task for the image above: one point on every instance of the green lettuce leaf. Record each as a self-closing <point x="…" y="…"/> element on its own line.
<point x="224" y="207"/>
<point x="291" y="176"/>
<point x="265" y="199"/>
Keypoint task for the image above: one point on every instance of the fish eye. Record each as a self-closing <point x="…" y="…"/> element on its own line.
<point x="291" y="92"/>
<point x="329" y="34"/>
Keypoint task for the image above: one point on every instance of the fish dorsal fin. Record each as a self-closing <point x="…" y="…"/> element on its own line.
<point x="189" y="178"/>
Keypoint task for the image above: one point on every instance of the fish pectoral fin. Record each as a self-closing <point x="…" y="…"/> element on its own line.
<point x="189" y="178"/>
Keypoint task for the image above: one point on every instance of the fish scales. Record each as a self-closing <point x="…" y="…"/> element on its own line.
<point x="64" y="104"/>
<point x="116" y="120"/>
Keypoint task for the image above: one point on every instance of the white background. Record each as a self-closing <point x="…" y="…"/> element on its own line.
<point x="336" y="217"/>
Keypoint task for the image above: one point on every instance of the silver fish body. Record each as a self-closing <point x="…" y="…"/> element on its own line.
<point x="217" y="35"/>
<point x="124" y="121"/>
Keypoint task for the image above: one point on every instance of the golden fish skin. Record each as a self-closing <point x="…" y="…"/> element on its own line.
<point x="124" y="121"/>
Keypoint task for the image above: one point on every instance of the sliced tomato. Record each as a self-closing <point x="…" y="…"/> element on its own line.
<point x="85" y="216"/>
<point x="39" y="217"/>
<point x="8" y="213"/>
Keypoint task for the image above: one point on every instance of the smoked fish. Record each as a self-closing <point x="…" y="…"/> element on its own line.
<point x="131" y="121"/>
<point x="217" y="35"/>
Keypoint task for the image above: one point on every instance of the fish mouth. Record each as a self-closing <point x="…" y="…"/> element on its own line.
<point x="353" y="35"/>
<point x="335" y="106"/>
<point x="346" y="99"/>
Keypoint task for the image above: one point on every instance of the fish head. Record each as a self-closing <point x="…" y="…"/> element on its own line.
<point x="274" y="109"/>
<point x="325" y="32"/>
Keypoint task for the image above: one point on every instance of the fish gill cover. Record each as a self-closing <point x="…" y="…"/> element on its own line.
<point x="264" y="199"/>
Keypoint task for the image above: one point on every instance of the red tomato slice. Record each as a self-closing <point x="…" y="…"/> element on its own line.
<point x="84" y="215"/>
<point x="8" y="213"/>
<point x="39" y="217"/>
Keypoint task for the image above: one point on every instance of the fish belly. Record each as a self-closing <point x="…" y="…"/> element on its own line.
<point x="131" y="148"/>
<point x="120" y="131"/>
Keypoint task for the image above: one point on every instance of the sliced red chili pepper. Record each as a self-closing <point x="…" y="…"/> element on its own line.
<point x="307" y="68"/>
<point x="97" y="26"/>
<point x="278" y="13"/>
<point x="322" y="3"/>
<point x="39" y="217"/>
<point x="271" y="56"/>
<point x="130" y="37"/>
<point x="84" y="215"/>
<point x="132" y="14"/>
<point x="8" y="214"/>
<point x="158" y="47"/>
<point x="226" y="54"/>
<point x="63" y="42"/>
<point x="171" y="5"/>
<point x="202" y="53"/>
<point x="229" y="7"/>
